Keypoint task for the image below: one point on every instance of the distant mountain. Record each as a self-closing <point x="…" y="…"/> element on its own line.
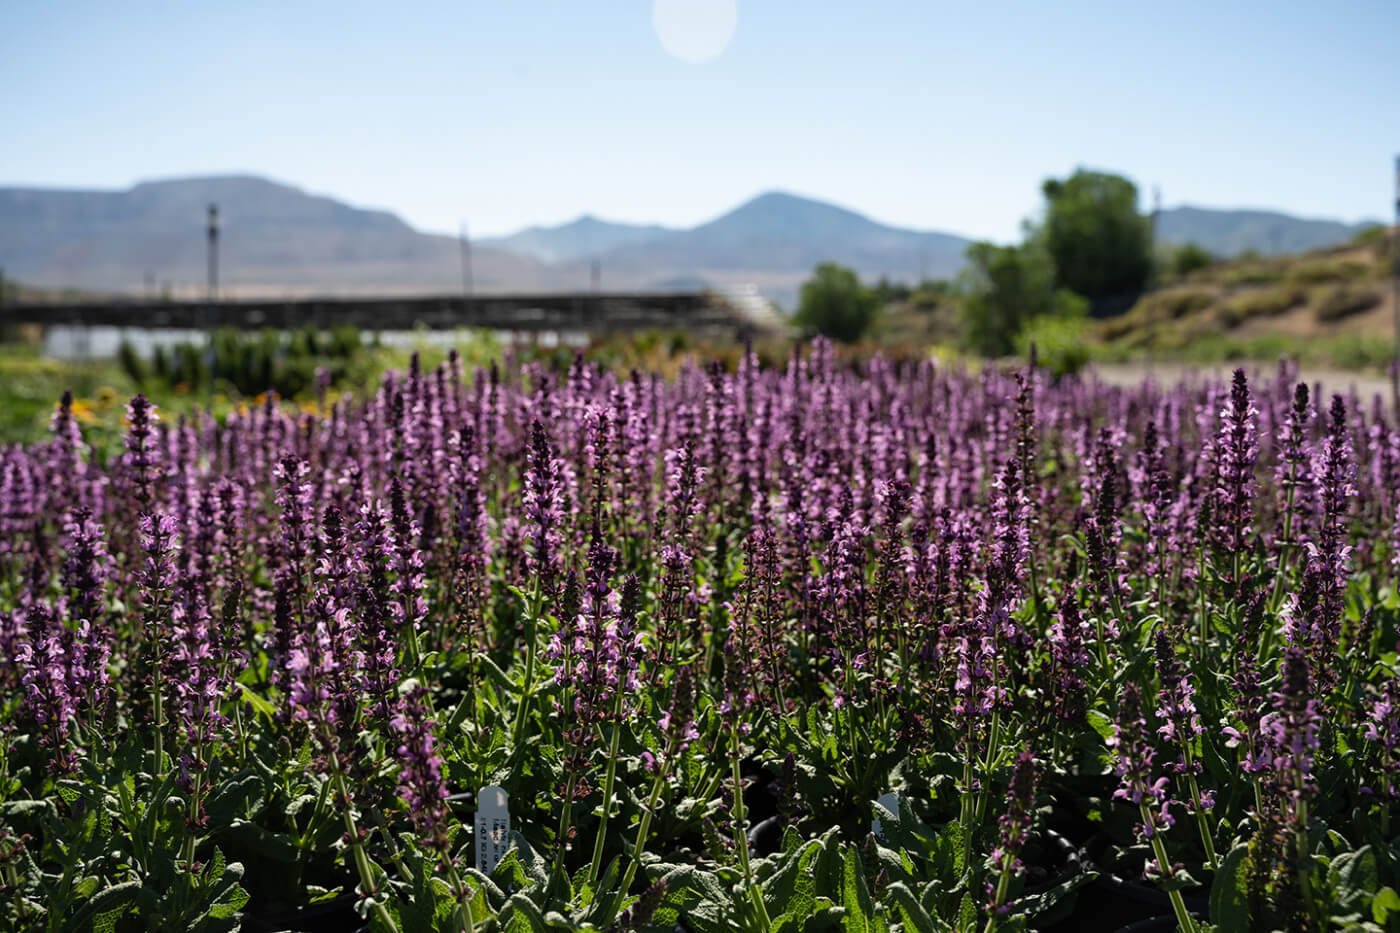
<point x="273" y="239"/>
<point x="776" y="239"/>
<point x="582" y="239"/>
<point x="277" y="239"/>
<point x="1232" y="232"/>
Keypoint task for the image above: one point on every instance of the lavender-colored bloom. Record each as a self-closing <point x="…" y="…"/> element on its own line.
<point x="1293" y="471"/>
<point x="1014" y="825"/>
<point x="678" y="722"/>
<point x="374" y="612"/>
<point x="421" y="784"/>
<point x="1069" y="659"/>
<point x="44" y="658"/>
<point x="1291" y="730"/>
<point x="410" y="606"/>
<point x="1153" y="491"/>
<point x="544" y="506"/>
<point x="295" y="500"/>
<point x="193" y="669"/>
<point x="1181" y="724"/>
<point x="1383" y="729"/>
<point x="142" y="455"/>
<point x="1235" y="450"/>
<point x="157" y="576"/>
<point x="86" y="570"/>
<point x="1138" y="783"/>
<point x="1103" y="531"/>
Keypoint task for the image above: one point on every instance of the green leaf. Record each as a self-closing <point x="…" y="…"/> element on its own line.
<point x="1355" y="877"/>
<point x="1229" y="894"/>
<point x="915" y="917"/>
<point x="1033" y="905"/>
<point x="259" y="704"/>
<point x="1101" y="723"/>
<point x="949" y="851"/>
<point x="1384" y="904"/>
<point x="967" y="912"/>
<point x="522" y="915"/>
<point x="855" y="897"/>
<point x="107" y="906"/>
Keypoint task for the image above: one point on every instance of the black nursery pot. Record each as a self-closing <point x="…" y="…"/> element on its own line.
<point x="333" y="916"/>
<point x="1112" y="902"/>
<point x="1163" y="922"/>
<point x="1052" y="859"/>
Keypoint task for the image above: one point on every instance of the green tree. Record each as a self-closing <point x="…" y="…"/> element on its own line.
<point x="1098" y="242"/>
<point x="1188" y="258"/>
<point x="1004" y="287"/>
<point x="834" y="303"/>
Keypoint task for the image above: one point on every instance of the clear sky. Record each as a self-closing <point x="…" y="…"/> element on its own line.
<point x="922" y="113"/>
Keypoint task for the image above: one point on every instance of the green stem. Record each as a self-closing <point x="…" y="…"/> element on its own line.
<point x="527" y="689"/>
<point x="158" y="709"/>
<point x="967" y="808"/>
<point x="561" y="839"/>
<point x="1301" y="844"/>
<point x="195" y="789"/>
<point x="1164" y="865"/>
<point x="1205" y="613"/>
<point x="741" y="837"/>
<point x="596" y="865"/>
<point x="460" y="891"/>
<point x="1201" y="823"/>
<point x="643" y="828"/>
<point x="1003" y="883"/>
<point x="358" y="850"/>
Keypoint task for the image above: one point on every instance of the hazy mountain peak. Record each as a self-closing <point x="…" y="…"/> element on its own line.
<point x="1231" y="232"/>
<point x="280" y="237"/>
<point x="586" y="236"/>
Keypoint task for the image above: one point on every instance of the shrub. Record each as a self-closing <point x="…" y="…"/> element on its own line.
<point x="1061" y="343"/>
<point x="1172" y="304"/>
<point x="1262" y="302"/>
<point x="1189" y="258"/>
<point x="1343" y="301"/>
<point x="1325" y="271"/>
<point x="833" y="303"/>
<point x="1003" y="287"/>
<point x="1254" y="274"/>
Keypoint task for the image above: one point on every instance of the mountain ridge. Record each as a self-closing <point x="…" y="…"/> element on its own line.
<point x="278" y="237"/>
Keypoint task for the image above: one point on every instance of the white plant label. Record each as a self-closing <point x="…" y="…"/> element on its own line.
<point x="890" y="802"/>
<point x="492" y="828"/>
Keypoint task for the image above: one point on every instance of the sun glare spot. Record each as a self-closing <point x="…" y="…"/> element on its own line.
<point x="694" y="31"/>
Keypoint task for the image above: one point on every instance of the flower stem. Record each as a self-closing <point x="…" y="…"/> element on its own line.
<point x="1164" y="865"/>
<point x="464" y="910"/>
<point x="362" y="866"/>
<point x="741" y="837"/>
<point x="532" y="622"/>
<point x="609" y="778"/>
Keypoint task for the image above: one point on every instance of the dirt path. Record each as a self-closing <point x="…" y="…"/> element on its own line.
<point x="1366" y="384"/>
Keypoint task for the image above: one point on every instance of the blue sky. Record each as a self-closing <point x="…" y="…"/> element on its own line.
<point x="513" y="112"/>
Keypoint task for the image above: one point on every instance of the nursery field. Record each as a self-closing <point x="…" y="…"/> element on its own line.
<point x="839" y="644"/>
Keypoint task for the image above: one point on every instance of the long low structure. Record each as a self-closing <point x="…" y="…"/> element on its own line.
<point x="604" y="312"/>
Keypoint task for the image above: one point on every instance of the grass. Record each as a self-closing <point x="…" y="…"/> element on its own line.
<point x="31" y="385"/>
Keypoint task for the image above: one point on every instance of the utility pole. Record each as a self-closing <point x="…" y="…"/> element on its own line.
<point x="466" y="244"/>
<point x="213" y="254"/>
<point x="213" y="294"/>
<point x="595" y="276"/>
<point x="1152" y="231"/>
<point x="1395" y="273"/>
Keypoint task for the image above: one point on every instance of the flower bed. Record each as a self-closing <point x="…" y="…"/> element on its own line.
<point x="842" y="645"/>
